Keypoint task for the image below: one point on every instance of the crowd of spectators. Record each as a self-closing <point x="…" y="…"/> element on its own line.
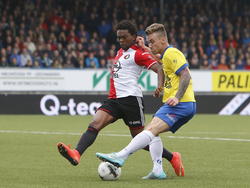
<point x="213" y="34"/>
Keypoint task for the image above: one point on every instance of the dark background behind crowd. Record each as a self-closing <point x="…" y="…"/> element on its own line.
<point x="213" y="34"/>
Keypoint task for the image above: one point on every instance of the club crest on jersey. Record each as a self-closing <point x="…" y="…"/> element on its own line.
<point x="126" y="56"/>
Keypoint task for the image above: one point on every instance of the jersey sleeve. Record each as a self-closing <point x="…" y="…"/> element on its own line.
<point x="144" y="59"/>
<point x="177" y="61"/>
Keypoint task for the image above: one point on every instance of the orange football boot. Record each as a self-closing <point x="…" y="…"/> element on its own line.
<point x="71" y="155"/>
<point x="177" y="164"/>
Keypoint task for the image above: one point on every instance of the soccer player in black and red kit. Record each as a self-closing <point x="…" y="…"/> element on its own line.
<point x="125" y="100"/>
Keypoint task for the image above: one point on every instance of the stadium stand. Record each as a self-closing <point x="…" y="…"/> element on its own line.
<point x="212" y="34"/>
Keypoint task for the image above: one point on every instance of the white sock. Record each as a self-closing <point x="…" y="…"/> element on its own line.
<point x="138" y="142"/>
<point x="156" y="148"/>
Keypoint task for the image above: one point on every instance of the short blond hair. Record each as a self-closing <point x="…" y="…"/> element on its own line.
<point x="156" y="27"/>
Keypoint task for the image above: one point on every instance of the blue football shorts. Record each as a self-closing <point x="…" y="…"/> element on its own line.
<point x="176" y="116"/>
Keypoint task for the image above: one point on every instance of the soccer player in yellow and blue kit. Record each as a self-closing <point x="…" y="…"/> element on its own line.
<point x="178" y="108"/>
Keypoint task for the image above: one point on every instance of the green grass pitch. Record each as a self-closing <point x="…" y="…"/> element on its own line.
<point x="215" y="151"/>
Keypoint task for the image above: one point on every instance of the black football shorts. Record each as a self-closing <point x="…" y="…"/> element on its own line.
<point x="130" y="109"/>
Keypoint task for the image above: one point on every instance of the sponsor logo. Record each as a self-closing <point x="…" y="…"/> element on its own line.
<point x="50" y="105"/>
<point x="159" y="161"/>
<point x="126" y="56"/>
<point x="134" y="122"/>
<point x="171" y="117"/>
<point x="231" y="81"/>
<point x="115" y="68"/>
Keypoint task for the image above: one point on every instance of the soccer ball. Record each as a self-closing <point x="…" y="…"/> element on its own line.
<point x="108" y="171"/>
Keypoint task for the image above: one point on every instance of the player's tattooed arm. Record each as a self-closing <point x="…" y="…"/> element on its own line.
<point x="184" y="82"/>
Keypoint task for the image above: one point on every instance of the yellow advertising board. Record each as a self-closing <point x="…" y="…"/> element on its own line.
<point x="231" y="81"/>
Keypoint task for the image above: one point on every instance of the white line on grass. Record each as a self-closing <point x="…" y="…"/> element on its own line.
<point x="126" y="135"/>
<point x="220" y="133"/>
<point x="209" y="138"/>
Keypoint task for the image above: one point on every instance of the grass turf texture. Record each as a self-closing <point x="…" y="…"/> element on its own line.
<point x="31" y="160"/>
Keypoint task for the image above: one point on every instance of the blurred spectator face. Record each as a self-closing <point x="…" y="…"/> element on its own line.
<point x="3" y="52"/>
<point x="14" y="61"/>
<point x="3" y="61"/>
<point x="102" y="53"/>
<point x="204" y="57"/>
<point x="15" y="51"/>
<point x="211" y="42"/>
<point x="213" y="56"/>
<point x="12" y="24"/>
<point x="231" y="37"/>
<point x="9" y="49"/>
<point x="199" y="42"/>
<point x="223" y="60"/>
<point x="81" y="62"/>
<point x="45" y="55"/>
<point x="48" y="46"/>
<point x="82" y="27"/>
<point x="111" y="53"/>
<point x="184" y="44"/>
<point x="60" y="47"/>
<point x="95" y="35"/>
<point x="193" y="49"/>
<point x="248" y="62"/>
<point x="125" y="39"/>
<point x="232" y="66"/>
<point x="28" y="39"/>
<point x="104" y="41"/>
<point x="91" y="55"/>
<point x="195" y="60"/>
<point x="113" y="47"/>
<point x="79" y="46"/>
<point x="25" y="52"/>
<point x="248" y="49"/>
<point x="56" y="64"/>
<point x="29" y="63"/>
<point x="205" y="63"/>
<point x="81" y="55"/>
<point x="56" y="53"/>
<point x="9" y="39"/>
<point x="103" y="63"/>
<point x="36" y="63"/>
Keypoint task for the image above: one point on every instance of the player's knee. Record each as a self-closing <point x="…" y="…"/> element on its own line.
<point x="152" y="129"/>
<point x="96" y="125"/>
<point x="92" y="128"/>
<point x="156" y="129"/>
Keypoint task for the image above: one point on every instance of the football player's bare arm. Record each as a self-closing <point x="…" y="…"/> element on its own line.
<point x="183" y="85"/>
<point x="157" y="68"/>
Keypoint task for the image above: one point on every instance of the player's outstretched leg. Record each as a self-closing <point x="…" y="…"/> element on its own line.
<point x="71" y="155"/>
<point x="112" y="158"/>
<point x="152" y="175"/>
<point x="176" y="163"/>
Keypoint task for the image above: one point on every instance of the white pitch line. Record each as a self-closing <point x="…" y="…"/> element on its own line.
<point x="209" y="138"/>
<point x="124" y="135"/>
<point x="38" y="132"/>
